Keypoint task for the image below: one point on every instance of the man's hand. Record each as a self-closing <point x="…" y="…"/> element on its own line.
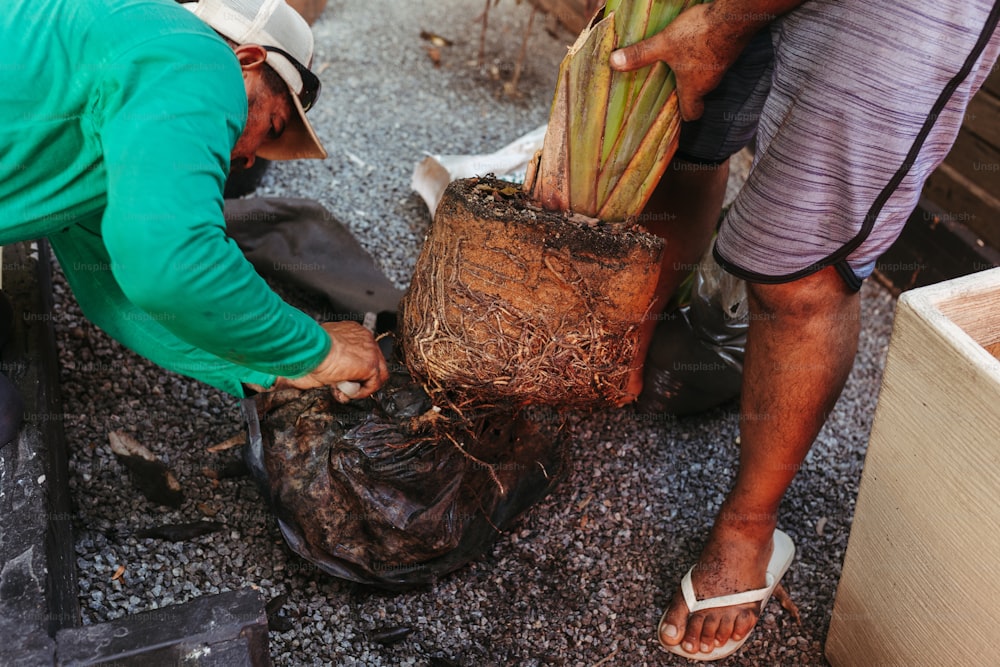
<point x="354" y="357"/>
<point x="701" y="44"/>
<point x="693" y="48"/>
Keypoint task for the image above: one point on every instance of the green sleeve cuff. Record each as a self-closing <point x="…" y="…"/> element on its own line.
<point x="258" y="379"/>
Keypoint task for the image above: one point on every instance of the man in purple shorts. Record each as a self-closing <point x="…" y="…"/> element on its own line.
<point x="859" y="104"/>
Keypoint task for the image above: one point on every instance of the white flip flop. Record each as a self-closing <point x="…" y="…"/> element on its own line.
<point x="781" y="559"/>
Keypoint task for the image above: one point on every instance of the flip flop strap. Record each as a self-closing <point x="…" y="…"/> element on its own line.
<point x="694" y="604"/>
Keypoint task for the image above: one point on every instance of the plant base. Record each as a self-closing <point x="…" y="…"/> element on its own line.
<point x="511" y="304"/>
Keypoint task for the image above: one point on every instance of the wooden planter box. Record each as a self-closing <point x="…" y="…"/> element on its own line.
<point x="919" y="584"/>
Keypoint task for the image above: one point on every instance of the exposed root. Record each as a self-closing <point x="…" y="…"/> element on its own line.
<point x="538" y="356"/>
<point x="509" y="307"/>
<point x="492" y="471"/>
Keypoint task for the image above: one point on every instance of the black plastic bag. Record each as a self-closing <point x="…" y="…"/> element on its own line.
<point x="391" y="492"/>
<point x="385" y="491"/>
<point x="301" y="244"/>
<point x="695" y="361"/>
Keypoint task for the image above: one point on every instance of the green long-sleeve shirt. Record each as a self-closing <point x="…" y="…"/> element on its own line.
<point x="125" y="111"/>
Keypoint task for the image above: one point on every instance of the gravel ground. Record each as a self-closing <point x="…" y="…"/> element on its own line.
<point x="584" y="577"/>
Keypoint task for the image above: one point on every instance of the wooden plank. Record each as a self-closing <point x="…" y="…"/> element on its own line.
<point x="992" y="83"/>
<point x="967" y="184"/>
<point x="982" y="119"/>
<point x="977" y="161"/>
<point x="933" y="247"/>
<point x="965" y="202"/>
<point x="309" y="9"/>
<point x="63" y="595"/>
<point x="209" y="631"/>
<point x="926" y="519"/>
<point x="39" y="594"/>
<point x="572" y="14"/>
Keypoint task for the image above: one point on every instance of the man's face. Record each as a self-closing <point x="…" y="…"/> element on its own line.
<point x="268" y="114"/>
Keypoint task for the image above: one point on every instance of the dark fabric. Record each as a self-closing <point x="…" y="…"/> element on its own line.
<point x="301" y="243"/>
<point x="847" y="273"/>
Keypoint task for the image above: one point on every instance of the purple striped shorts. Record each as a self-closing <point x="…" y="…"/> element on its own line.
<point x="866" y="100"/>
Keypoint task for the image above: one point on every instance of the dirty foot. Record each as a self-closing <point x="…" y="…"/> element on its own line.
<point x="734" y="560"/>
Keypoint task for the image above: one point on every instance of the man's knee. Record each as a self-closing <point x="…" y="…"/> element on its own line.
<point x="813" y="295"/>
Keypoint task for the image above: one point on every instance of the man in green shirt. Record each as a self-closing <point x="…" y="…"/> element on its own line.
<point x="119" y="121"/>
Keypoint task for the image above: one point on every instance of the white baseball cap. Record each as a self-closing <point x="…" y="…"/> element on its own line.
<point x="288" y="40"/>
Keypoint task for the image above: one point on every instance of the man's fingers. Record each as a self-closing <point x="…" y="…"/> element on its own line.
<point x="358" y="389"/>
<point x="349" y="388"/>
<point x="691" y="107"/>
<point x="638" y="55"/>
<point x="380" y="377"/>
<point x="347" y="391"/>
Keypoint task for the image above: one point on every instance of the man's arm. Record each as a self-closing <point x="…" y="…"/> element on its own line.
<point x="701" y="44"/>
<point x="173" y="110"/>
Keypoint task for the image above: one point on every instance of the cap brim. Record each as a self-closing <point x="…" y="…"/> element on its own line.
<point x="297" y="142"/>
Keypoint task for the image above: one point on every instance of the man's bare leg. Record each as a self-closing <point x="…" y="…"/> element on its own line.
<point x="800" y="348"/>
<point x="684" y="211"/>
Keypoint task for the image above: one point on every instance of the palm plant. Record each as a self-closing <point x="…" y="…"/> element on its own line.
<point x="610" y="134"/>
<point x="518" y="297"/>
